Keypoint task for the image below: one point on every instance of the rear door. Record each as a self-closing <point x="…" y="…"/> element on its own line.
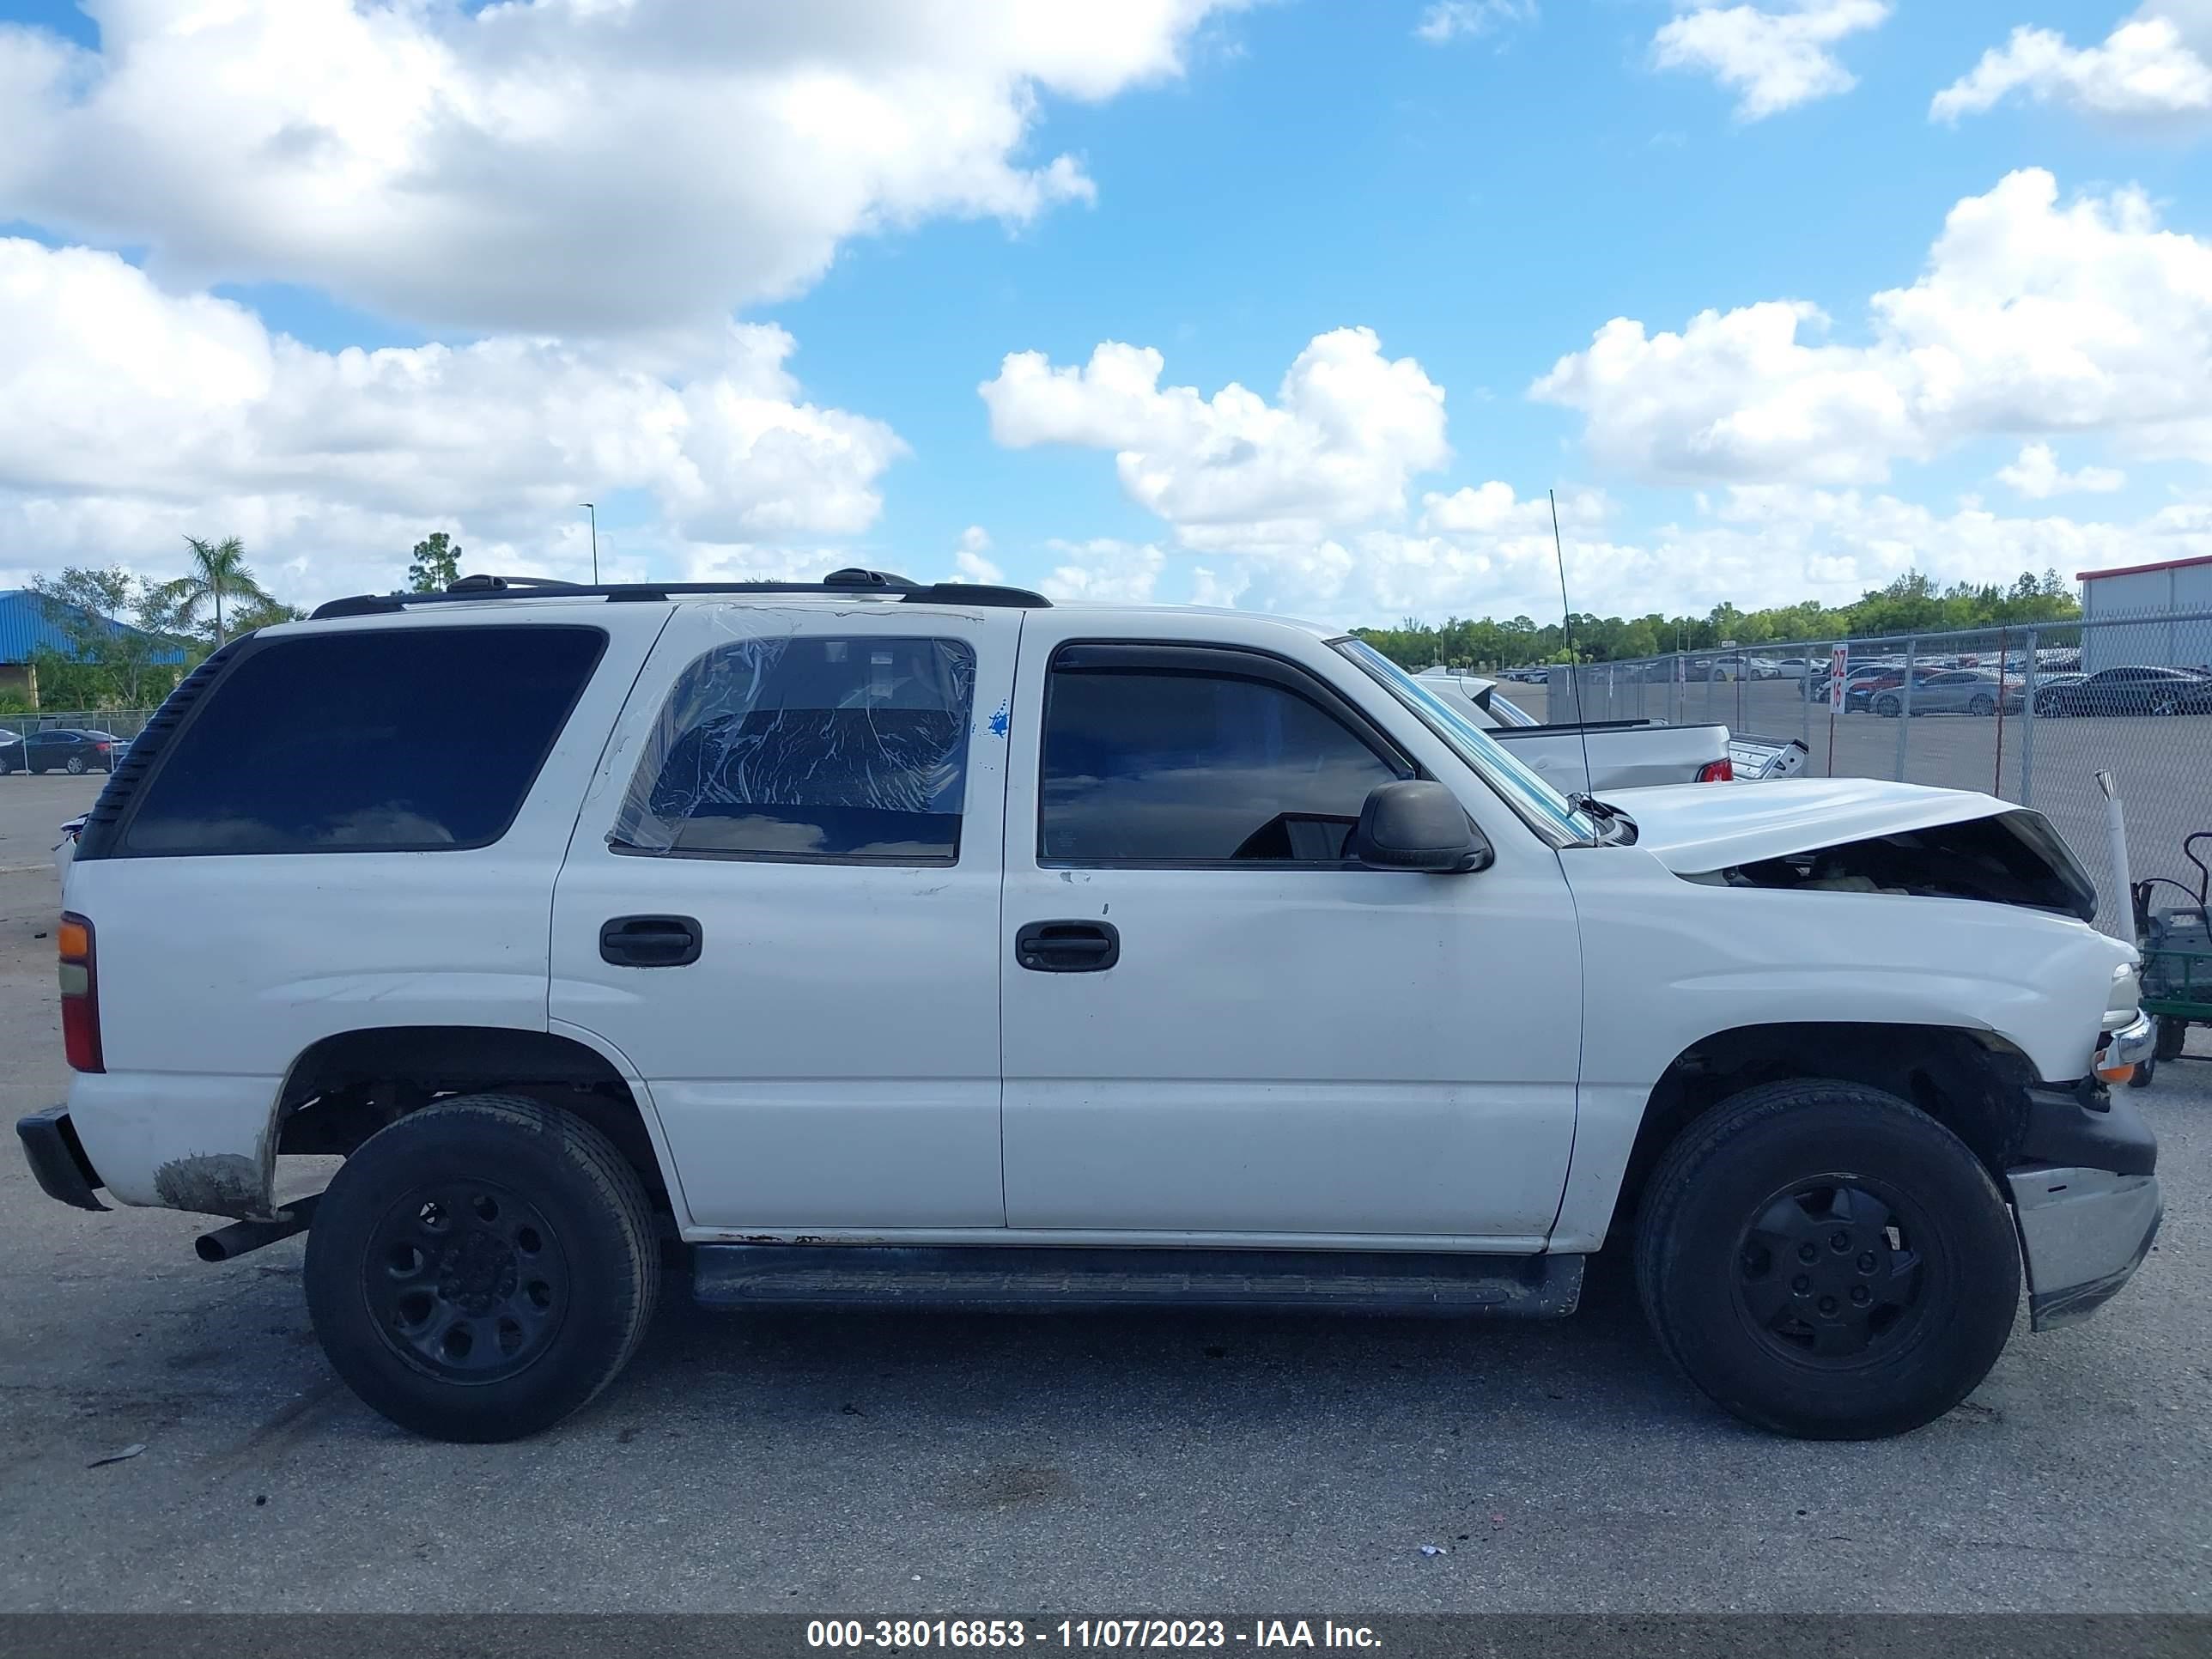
<point x="782" y="905"/>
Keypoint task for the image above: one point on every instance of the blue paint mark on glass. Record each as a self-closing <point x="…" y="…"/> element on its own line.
<point x="1000" y="721"/>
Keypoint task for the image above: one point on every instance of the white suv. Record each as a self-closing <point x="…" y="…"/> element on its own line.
<point x="861" y="942"/>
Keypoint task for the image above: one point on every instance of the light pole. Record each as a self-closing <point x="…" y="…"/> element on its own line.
<point x="595" y="512"/>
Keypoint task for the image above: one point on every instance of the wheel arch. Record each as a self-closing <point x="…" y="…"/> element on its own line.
<point x="1971" y="1081"/>
<point x="345" y="1087"/>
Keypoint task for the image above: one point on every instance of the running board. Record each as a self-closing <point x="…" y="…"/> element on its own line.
<point x="1015" y="1277"/>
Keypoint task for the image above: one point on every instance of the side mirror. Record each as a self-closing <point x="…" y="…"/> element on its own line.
<point x="1418" y="826"/>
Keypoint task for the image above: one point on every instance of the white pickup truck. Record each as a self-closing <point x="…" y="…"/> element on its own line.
<point x="869" y="943"/>
<point x="1590" y="756"/>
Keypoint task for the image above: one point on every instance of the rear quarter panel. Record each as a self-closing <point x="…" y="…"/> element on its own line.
<point x="216" y="973"/>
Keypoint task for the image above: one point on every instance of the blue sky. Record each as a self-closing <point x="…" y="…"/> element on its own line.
<point x="1263" y="176"/>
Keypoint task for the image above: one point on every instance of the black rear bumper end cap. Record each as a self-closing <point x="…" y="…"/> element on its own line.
<point x="56" y="1157"/>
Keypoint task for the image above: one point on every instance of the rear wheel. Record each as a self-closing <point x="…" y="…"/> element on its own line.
<point x="75" y="766"/>
<point x="1888" y="707"/>
<point x="2172" y="1036"/>
<point x="1825" y="1260"/>
<point x="1981" y="704"/>
<point x="481" y="1268"/>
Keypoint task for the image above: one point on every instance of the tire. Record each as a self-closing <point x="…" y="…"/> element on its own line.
<point x="2173" y="1037"/>
<point x="1888" y="708"/>
<point x="1979" y="704"/>
<point x="75" y="766"/>
<point x="404" y="1237"/>
<point x="2167" y="707"/>
<point x="2143" y="1074"/>
<point x="1707" y="1269"/>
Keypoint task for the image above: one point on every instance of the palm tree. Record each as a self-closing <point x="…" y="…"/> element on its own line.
<point x="218" y="574"/>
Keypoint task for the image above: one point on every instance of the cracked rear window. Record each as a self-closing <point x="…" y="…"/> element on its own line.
<point x="803" y="747"/>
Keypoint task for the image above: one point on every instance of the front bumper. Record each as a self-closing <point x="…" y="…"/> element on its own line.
<point x="2132" y="1044"/>
<point x="56" y="1157"/>
<point x="2084" y="1233"/>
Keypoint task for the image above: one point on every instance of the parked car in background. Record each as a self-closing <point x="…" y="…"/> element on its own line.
<point x="1593" y="755"/>
<point x="64" y="748"/>
<point x="1860" y="691"/>
<point x="2047" y="687"/>
<point x="1952" y="691"/>
<point x="2136" y="689"/>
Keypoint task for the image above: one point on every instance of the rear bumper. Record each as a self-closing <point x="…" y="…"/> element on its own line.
<point x="57" y="1158"/>
<point x="2084" y="1233"/>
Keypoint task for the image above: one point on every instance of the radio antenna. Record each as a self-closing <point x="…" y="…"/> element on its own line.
<point x="1567" y="632"/>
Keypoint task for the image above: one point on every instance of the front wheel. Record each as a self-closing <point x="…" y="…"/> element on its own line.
<point x="1888" y="708"/>
<point x="1981" y="705"/>
<point x="483" y="1268"/>
<point x="2173" y="1037"/>
<point x="1823" y="1260"/>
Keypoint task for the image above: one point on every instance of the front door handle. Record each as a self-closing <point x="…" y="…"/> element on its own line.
<point x="651" y="941"/>
<point x="1068" y="947"/>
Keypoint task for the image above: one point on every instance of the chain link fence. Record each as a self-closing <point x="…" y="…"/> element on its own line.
<point x="124" y="723"/>
<point x="2030" y="714"/>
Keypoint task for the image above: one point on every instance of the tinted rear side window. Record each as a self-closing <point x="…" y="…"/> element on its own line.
<point x="407" y="740"/>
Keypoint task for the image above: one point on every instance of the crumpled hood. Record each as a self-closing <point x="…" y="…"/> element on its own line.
<point x="1693" y="828"/>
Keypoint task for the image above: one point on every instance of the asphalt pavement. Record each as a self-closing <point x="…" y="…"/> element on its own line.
<point x="1099" y="1465"/>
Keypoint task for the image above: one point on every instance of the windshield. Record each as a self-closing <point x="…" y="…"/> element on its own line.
<point x="1526" y="793"/>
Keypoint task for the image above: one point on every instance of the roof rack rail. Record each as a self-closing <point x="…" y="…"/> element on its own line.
<point x="850" y="581"/>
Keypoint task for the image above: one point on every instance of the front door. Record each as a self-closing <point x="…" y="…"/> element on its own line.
<point x="782" y="903"/>
<point x="1214" y="1023"/>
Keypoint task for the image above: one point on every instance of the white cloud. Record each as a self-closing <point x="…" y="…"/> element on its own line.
<point x="1347" y="430"/>
<point x="2030" y="318"/>
<point x="573" y="165"/>
<point x="1124" y="572"/>
<point x="2036" y="475"/>
<point x="1773" y="60"/>
<point x="967" y="561"/>
<point x="1453" y="20"/>
<point x="2155" y="68"/>
<point x="128" y="416"/>
<point x="1754" y="545"/>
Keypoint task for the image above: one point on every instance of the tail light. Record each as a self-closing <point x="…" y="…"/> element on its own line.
<point x="1719" y="771"/>
<point x="102" y="747"/>
<point x="79" y="995"/>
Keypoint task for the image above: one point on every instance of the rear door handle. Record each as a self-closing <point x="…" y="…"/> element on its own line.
<point x="651" y="941"/>
<point x="1068" y="947"/>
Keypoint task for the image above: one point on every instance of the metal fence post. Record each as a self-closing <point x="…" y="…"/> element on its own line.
<point x="1905" y="707"/>
<point x="2026" y="719"/>
<point x="1805" y="699"/>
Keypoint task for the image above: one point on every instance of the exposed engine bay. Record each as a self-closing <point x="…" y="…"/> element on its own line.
<point x="2008" y="858"/>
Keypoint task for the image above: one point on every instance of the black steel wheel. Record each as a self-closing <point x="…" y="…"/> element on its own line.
<point x="466" y="1278"/>
<point x="1827" y="1271"/>
<point x="1824" y="1260"/>
<point x="483" y="1268"/>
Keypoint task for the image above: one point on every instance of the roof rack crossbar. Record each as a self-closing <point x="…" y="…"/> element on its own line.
<point x="475" y="588"/>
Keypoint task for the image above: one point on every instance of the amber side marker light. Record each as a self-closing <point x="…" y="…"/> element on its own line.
<point x="80" y="983"/>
